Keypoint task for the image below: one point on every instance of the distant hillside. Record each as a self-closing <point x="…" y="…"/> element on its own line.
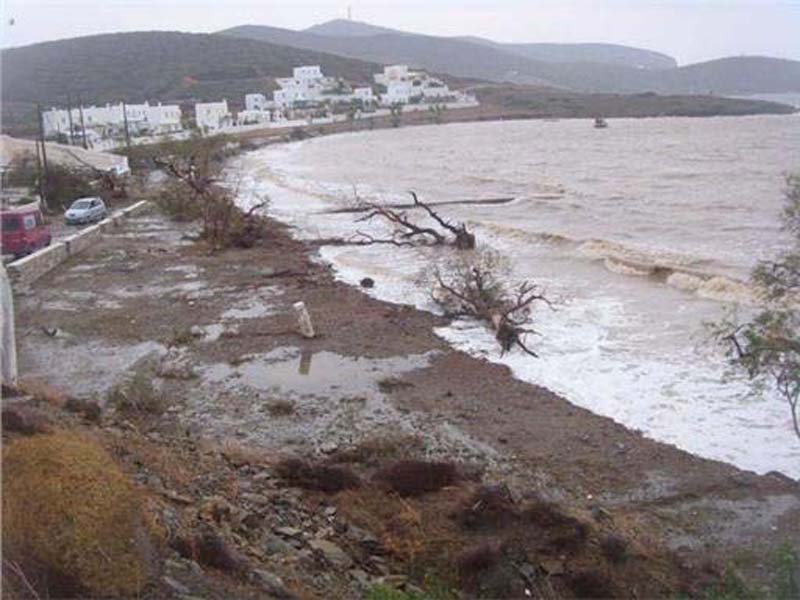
<point x="347" y="28"/>
<point x="608" y="54"/>
<point x="164" y="66"/>
<point x="611" y="54"/>
<point x="734" y="75"/>
<point x="453" y="56"/>
<point x="579" y="67"/>
<point x="512" y="101"/>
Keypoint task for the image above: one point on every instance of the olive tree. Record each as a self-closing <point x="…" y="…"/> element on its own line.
<point x="767" y="347"/>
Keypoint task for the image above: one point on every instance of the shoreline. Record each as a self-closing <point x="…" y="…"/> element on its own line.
<point x="388" y="290"/>
<point x="459" y="407"/>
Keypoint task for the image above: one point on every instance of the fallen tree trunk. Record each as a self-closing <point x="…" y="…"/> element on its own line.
<point x="407" y="232"/>
<point x="474" y="288"/>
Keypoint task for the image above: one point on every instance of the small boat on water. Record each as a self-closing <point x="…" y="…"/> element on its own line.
<point x="600" y="123"/>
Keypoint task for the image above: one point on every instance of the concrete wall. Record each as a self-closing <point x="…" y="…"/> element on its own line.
<point x="28" y="269"/>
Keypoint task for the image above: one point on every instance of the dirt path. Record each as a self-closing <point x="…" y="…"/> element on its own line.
<point x="215" y="332"/>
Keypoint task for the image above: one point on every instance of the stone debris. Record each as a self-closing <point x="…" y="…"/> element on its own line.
<point x="332" y="553"/>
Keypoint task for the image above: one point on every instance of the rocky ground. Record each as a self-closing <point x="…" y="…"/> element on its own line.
<point x="369" y="458"/>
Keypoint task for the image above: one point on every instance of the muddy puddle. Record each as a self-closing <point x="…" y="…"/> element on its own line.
<point x="297" y="400"/>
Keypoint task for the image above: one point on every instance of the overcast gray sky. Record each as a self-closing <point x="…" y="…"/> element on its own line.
<point x="689" y="30"/>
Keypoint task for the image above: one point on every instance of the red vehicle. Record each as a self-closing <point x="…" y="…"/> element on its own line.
<point x="23" y="230"/>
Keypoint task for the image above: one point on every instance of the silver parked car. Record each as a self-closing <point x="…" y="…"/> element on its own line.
<point x="86" y="210"/>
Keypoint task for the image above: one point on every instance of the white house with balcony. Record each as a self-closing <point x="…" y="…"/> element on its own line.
<point x="211" y="116"/>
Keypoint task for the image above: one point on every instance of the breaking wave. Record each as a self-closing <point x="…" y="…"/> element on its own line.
<point x="672" y="269"/>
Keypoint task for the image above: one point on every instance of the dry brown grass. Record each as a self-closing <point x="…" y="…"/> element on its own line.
<point x="321" y="478"/>
<point x="473" y="538"/>
<point x="41" y="391"/>
<point x="72" y="520"/>
<point x="417" y="477"/>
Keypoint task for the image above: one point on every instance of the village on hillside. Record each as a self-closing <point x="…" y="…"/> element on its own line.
<point x="308" y="97"/>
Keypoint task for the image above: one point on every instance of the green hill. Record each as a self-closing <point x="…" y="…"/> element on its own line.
<point x="578" y="67"/>
<point x="163" y="66"/>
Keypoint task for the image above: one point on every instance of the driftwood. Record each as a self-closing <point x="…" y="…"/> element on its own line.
<point x="474" y="289"/>
<point x="407" y="232"/>
<point x="402" y="205"/>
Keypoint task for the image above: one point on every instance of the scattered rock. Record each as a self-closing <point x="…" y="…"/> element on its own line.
<point x="364" y="538"/>
<point x="329" y="511"/>
<point x="176" y="497"/>
<point x="258" y="499"/>
<point x="197" y="331"/>
<point x="362" y="577"/>
<point x="213" y="551"/>
<point x="378" y="565"/>
<point x="367" y="282"/>
<point x="553" y="566"/>
<point x="262" y="476"/>
<point x="329" y="447"/>
<point x="332" y="553"/>
<point x="396" y="580"/>
<point x="175" y="365"/>
<point x="176" y="586"/>
<point x="288" y="532"/>
<point x="272" y="584"/>
<point x="272" y="544"/>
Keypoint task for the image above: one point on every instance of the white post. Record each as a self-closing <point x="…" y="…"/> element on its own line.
<point x="303" y="320"/>
<point x="8" y="342"/>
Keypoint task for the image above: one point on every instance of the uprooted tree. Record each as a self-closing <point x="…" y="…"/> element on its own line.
<point x="767" y="347"/>
<point x="475" y="285"/>
<point x="197" y="191"/>
<point x="408" y="232"/>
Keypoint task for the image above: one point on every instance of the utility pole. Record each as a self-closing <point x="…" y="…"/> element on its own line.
<point x="125" y="119"/>
<point x="43" y="172"/>
<point x="69" y="114"/>
<point x="40" y="173"/>
<point x="83" y="126"/>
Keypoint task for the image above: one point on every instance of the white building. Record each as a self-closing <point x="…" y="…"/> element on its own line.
<point x="211" y="116"/>
<point x="255" y="102"/>
<point x="364" y="94"/>
<point x="404" y="86"/>
<point x="397" y="92"/>
<point x="307" y="85"/>
<point x="109" y="120"/>
<point x="162" y="118"/>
